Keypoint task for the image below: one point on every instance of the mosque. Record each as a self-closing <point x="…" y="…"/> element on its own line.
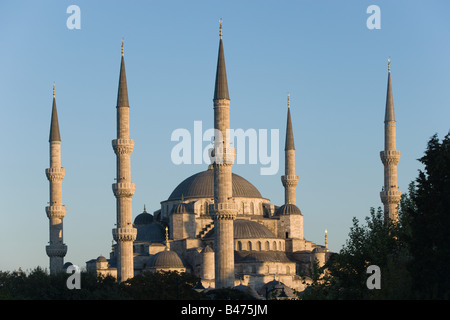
<point x="215" y="224"/>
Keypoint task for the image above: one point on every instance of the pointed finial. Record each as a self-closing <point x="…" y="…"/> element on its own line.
<point x="389" y="64"/>
<point x="122" y="47"/>
<point x="289" y="100"/>
<point x="220" y="32"/>
<point x="145" y="211"/>
<point x="53" y="89"/>
<point x="167" y="238"/>
<point x="326" y="240"/>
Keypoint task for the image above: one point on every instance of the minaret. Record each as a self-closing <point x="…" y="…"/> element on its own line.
<point x="390" y="195"/>
<point x="124" y="233"/>
<point x="289" y="180"/>
<point x="225" y="210"/>
<point x="56" y="211"/>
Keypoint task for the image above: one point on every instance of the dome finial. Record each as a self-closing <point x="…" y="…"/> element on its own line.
<point x="389" y="64"/>
<point x="122" y="46"/>
<point x="220" y="32"/>
<point x="145" y="211"/>
<point x="289" y="100"/>
<point x="167" y="239"/>
<point x="326" y="240"/>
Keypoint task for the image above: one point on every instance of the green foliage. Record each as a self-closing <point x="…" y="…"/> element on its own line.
<point x="429" y="220"/>
<point x="169" y="285"/>
<point x="39" y="285"/>
<point x="412" y="254"/>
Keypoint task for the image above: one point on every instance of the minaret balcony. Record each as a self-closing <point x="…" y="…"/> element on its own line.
<point x="123" y="189"/>
<point x="289" y="180"/>
<point x="224" y="210"/>
<point x="124" y="234"/>
<point x="56" y="250"/>
<point x="390" y="157"/>
<point x="123" y="146"/>
<point x="55" y="212"/>
<point x="55" y="174"/>
<point x="390" y="196"/>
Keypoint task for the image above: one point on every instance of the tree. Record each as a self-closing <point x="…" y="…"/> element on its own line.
<point x="163" y="285"/>
<point x="429" y="221"/>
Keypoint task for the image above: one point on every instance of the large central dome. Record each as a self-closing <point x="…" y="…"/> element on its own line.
<point x="201" y="185"/>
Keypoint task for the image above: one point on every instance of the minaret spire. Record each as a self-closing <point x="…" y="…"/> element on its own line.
<point x="221" y="87"/>
<point x="223" y="154"/>
<point x="56" y="211"/>
<point x="390" y="195"/>
<point x="54" y="126"/>
<point x="124" y="233"/>
<point x="289" y="180"/>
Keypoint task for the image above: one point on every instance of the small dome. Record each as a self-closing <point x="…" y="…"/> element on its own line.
<point x="143" y="218"/>
<point x="165" y="259"/>
<point x="319" y="250"/>
<point x="101" y="259"/>
<point x="180" y="208"/>
<point x="288" y="209"/>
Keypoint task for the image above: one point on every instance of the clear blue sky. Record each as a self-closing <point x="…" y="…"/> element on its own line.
<point x="321" y="52"/>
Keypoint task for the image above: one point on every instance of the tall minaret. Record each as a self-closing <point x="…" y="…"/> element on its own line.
<point x="390" y="195"/>
<point x="56" y="211"/>
<point x="289" y="180"/>
<point x="225" y="209"/>
<point x="124" y="233"/>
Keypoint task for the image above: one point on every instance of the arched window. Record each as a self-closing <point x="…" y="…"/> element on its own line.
<point x="274" y="245"/>
<point x="243" y="208"/>
<point x="239" y="246"/>
<point x="206" y="209"/>
<point x="252" y="208"/>
<point x="288" y="270"/>
<point x="259" y="246"/>
<point x="249" y="246"/>
<point x="267" y="246"/>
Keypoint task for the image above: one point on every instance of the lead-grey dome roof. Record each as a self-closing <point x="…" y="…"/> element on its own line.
<point x="288" y="209"/>
<point x="201" y="185"/>
<point x="153" y="232"/>
<point x="246" y="229"/>
<point x="165" y="259"/>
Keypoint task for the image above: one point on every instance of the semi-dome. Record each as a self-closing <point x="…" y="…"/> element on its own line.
<point x="246" y="229"/>
<point x="201" y="185"/>
<point x="165" y="259"/>
<point x="260" y="256"/>
<point x="288" y="208"/>
<point x="153" y="232"/>
<point x="180" y="208"/>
